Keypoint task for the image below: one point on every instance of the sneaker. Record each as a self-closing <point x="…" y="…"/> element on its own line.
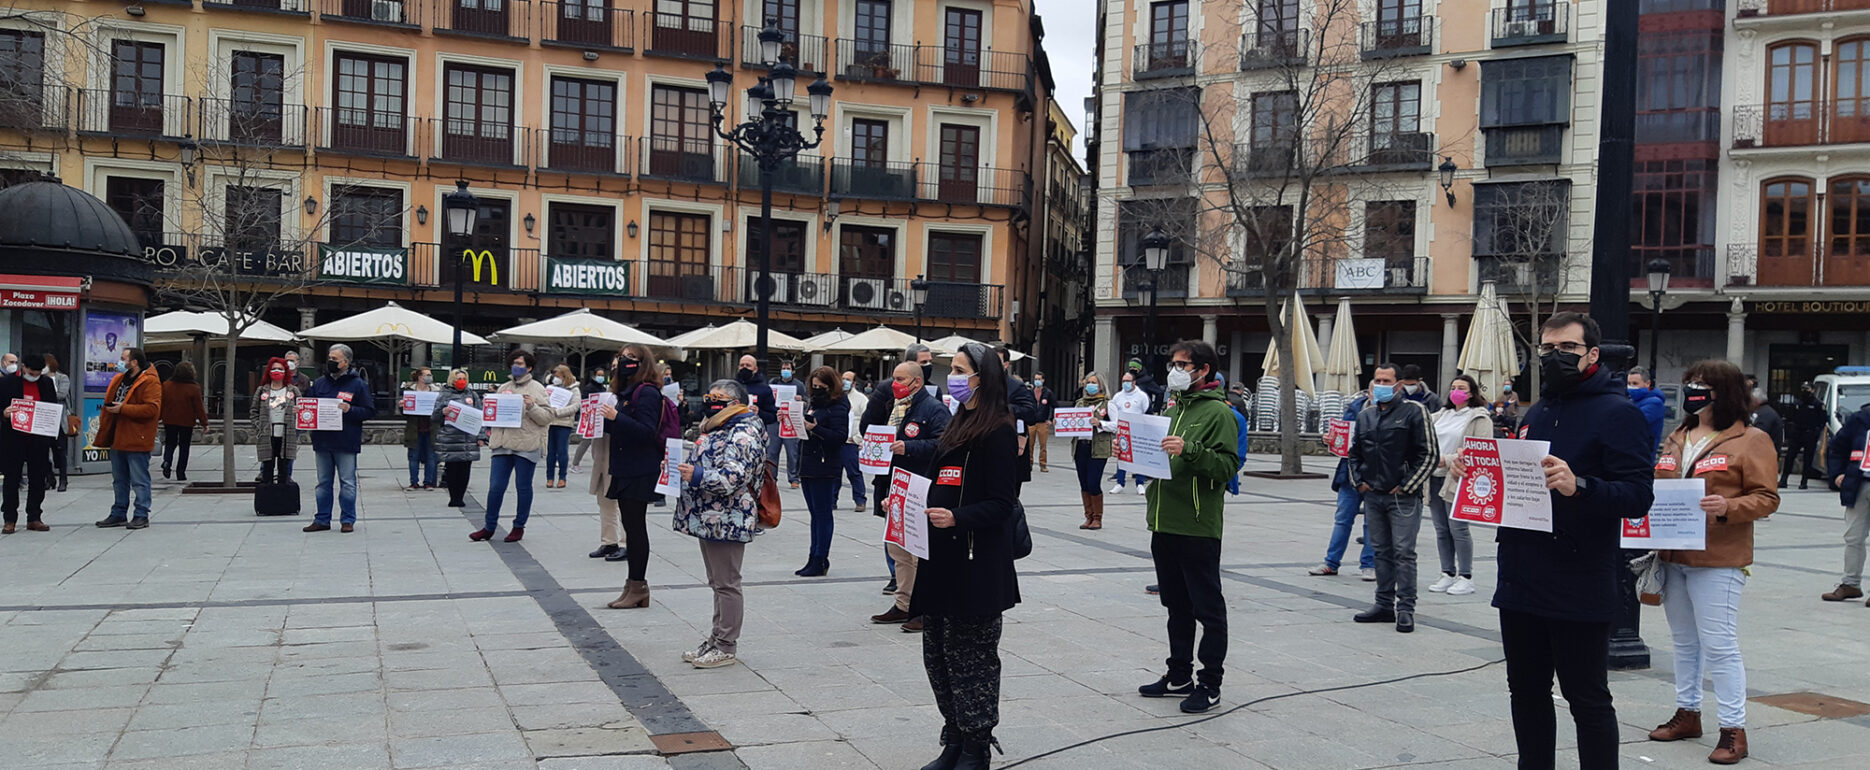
<point x="1202" y="699"/>
<point x="1461" y="587"/>
<point x="1116" y="488"/>
<point x="700" y="650"/>
<point x="713" y="658"/>
<point x="1369" y="574"/>
<point x="1140" y="489"/>
<point x="890" y="587"/>
<point x="1442" y="584"/>
<point x="1322" y="570"/>
<point x="577" y="469"/>
<point x="1844" y="592"/>
<point x="1163" y="688"/>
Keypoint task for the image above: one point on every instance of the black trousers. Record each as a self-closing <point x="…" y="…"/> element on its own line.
<point x="635" y="516"/>
<point x="173" y="437"/>
<point x="36" y="464"/>
<point x="1188" y="569"/>
<point x="455" y="477"/>
<point x="282" y="465"/>
<point x="58" y="453"/>
<point x="1579" y="653"/>
<point x="962" y="659"/>
<point x="1799" y="448"/>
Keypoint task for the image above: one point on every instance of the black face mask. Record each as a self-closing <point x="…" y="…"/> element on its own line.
<point x="1696" y="397"/>
<point x="626" y="368"/>
<point x="714" y="407"/>
<point x="1560" y="369"/>
<point x="928" y="370"/>
<point x="820" y="396"/>
<point x="744" y="375"/>
<point x="333" y="368"/>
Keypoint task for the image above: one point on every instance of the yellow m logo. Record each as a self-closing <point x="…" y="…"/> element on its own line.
<point x="486" y="257"/>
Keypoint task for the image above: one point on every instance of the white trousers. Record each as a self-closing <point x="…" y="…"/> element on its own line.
<point x="1703" y="606"/>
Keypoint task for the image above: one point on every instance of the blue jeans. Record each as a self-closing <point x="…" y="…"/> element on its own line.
<point x="129" y="471"/>
<point x="821" y="498"/>
<point x="343" y="465"/>
<point x="503" y="468"/>
<point x="1350" y="503"/>
<point x="1140" y="478"/>
<point x="1703" y="607"/>
<point x="856" y="474"/>
<point x="1090" y="470"/>
<point x="422" y="457"/>
<point x="557" y="451"/>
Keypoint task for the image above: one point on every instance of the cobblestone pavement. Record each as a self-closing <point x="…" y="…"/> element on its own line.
<point x="215" y="639"/>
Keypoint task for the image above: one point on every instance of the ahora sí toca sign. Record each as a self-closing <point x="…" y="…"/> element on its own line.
<point x="359" y="264"/>
<point x="586" y="276"/>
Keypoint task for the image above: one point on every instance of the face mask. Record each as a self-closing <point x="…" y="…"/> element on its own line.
<point x="1090" y="388"/>
<point x="1383" y="394"/>
<point x="928" y="371"/>
<point x="626" y="367"/>
<point x="744" y="375"/>
<point x="519" y="370"/>
<point x="667" y="379"/>
<point x="820" y="396"/>
<point x="1561" y="369"/>
<point x="31" y="377"/>
<point x="333" y="368"/>
<point x="847" y="386"/>
<point x="279" y="375"/>
<point x="426" y="379"/>
<point x="1038" y="383"/>
<point x="901" y="390"/>
<point x="1180" y="379"/>
<point x="122" y="366"/>
<point x="1505" y="389"/>
<point x="785" y="374"/>
<point x="1129" y="386"/>
<point x="1412" y="389"/>
<point x="1696" y="397"/>
<point x="714" y="407"/>
<point x="1458" y="398"/>
<point x="461" y="383"/>
<point x="958" y="387"/>
<point x="12" y="368"/>
<point x="599" y="378"/>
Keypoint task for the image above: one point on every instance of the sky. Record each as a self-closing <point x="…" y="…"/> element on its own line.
<point x="1070" y="42"/>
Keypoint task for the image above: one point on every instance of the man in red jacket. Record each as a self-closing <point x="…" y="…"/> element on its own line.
<point x="24" y="449"/>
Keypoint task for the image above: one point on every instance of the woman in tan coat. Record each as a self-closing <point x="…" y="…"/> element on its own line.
<point x="1701" y="589"/>
<point x="516" y="451"/>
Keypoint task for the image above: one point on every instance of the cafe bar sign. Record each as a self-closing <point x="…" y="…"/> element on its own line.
<point x="357" y="264"/>
<point x="587" y="276"/>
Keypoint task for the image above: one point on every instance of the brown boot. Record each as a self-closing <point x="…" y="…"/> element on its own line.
<point x="1086" y="499"/>
<point x="1097" y="511"/>
<point x="1844" y="592"/>
<point x="1732" y="748"/>
<point x="1685" y="724"/>
<point x="635" y="596"/>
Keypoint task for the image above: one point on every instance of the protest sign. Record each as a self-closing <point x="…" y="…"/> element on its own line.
<point x="1504" y="484"/>
<point x="873" y="456"/>
<point x="1675" y="521"/>
<point x="906" y="513"/>
<point x="319" y="414"/>
<point x="669" y="479"/>
<point x="558" y="397"/>
<point x="1139" y="445"/>
<point x="1074" y="421"/>
<point x="591" y="415"/>
<point x="502" y="410"/>
<point x="792" y="419"/>
<point x="1338" y="437"/>
<point x="462" y="416"/>
<point x="39" y="418"/>
<point x="420" y="402"/>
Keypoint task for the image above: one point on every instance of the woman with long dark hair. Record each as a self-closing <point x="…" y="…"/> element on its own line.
<point x="1461" y="416"/>
<point x="968" y="579"/>
<point x="1738" y="466"/>
<point x="182" y="410"/>
<point x="635" y="428"/>
<point x="827" y="425"/>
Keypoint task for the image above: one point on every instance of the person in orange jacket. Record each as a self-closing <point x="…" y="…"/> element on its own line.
<point x="127" y="427"/>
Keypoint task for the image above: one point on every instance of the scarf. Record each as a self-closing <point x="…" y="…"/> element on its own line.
<point x="728" y="413"/>
<point x="901" y="409"/>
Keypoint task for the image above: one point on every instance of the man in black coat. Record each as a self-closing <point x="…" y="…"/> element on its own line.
<point x="1767" y="419"/>
<point x="762" y="396"/>
<point x="21" y="451"/>
<point x="1393" y="454"/>
<point x="919" y="420"/>
<point x="1558" y="593"/>
<point x="1804" y="426"/>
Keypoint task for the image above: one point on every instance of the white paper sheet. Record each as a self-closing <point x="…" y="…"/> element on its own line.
<point x="907" y="522"/>
<point x="39" y="418"/>
<point x="558" y="397"/>
<point x="1074" y="421"/>
<point x="462" y="416"/>
<point x="420" y="403"/>
<point x="1138" y="445"/>
<point x="669" y="480"/>
<point x="873" y="456"/>
<point x="1675" y="521"/>
<point x="1505" y="484"/>
<point x="319" y="414"/>
<point x="503" y="410"/>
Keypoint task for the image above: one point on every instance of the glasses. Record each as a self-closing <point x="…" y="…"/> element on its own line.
<point x="1568" y="347"/>
<point x="1182" y="365"/>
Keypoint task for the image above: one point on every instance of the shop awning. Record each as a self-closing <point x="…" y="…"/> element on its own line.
<point x="40" y="292"/>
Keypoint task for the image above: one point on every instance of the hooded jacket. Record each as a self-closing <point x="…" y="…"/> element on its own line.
<point x="1655" y="409"/>
<point x="1571" y="572"/>
<point x="350" y="387"/>
<point x="1190" y="501"/>
<point x="1844" y="457"/>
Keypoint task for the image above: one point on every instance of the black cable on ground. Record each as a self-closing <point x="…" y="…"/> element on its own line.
<point x="1254" y="702"/>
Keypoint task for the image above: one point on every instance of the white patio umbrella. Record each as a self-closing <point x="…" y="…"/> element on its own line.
<point x="1307" y="358"/>
<point x="946" y="346"/>
<point x="881" y="339"/>
<point x="734" y="336"/>
<point x="1489" y="354"/>
<point x="819" y="341"/>
<point x="1343" y="365"/>
<point x="580" y="329"/>
<point x="387" y="324"/>
<point x="183" y="325"/>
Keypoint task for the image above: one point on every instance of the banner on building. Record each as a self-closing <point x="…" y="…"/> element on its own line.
<point x="587" y="276"/>
<point x="361" y="264"/>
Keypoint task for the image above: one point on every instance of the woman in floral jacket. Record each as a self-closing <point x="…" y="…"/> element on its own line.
<point x="719" y="505"/>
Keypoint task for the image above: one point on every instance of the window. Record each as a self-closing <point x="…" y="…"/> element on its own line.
<point x="678" y="253"/>
<point x="1160" y="118"/>
<point x="22" y="76"/>
<point x="1850" y="109"/>
<point x="1792" y="94"/>
<point x="252" y="217"/>
<point x="954" y="257"/>
<point x="960" y="162"/>
<point x="1176" y="218"/>
<point x="1268" y="233"/>
<point x="870" y="142"/>
<point x="961" y="47"/>
<point x="584" y="124"/>
<point x="783" y="14"/>
<point x="370" y="107"/>
<point x="788" y="246"/>
<point x="684" y="27"/>
<point x="579" y="230"/>
<point x="256" y="112"/>
<point x="1389" y="232"/>
<point x="1675" y="206"/>
<point x="1399" y="23"/>
<point x="1521" y="220"/>
<point x="1786" y="208"/>
<point x="1278" y="20"/>
<point x="680" y="141"/>
<point x="866" y="252"/>
<point x="366" y="216"/>
<point x="1275" y="118"/>
<point x="1395" y="124"/>
<point x="136" y="87"/>
<point x="1525" y="92"/>
<point x="1168" y="35"/>
<point x="1847" y="260"/>
<point x="479" y="123"/>
<point x="1678" y="86"/>
<point x="872" y="28"/>
<point x="139" y="202"/>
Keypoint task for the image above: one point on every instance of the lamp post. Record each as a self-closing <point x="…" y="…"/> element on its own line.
<point x="1659" y="270"/>
<point x="919" y="293"/>
<point x="459" y="210"/>
<point x="770" y="136"/>
<point x="1446" y="172"/>
<point x="1155" y="258"/>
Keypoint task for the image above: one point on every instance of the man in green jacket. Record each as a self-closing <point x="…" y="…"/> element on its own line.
<point x="1185" y="525"/>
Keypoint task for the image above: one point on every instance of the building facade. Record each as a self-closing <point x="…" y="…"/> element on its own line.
<point x="323" y="135"/>
<point x="1065" y="310"/>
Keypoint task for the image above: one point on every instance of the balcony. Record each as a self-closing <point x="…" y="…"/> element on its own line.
<point x="948" y="299"/>
<point x="1748" y="264"/>
<point x="474" y="143"/>
<point x="582" y="152"/>
<point x="1373" y="275"/>
<point x="875" y="181"/>
<point x="390" y="13"/>
<point x="1270" y="159"/>
<point x="1521" y="276"/>
<point x="1524" y="145"/>
<point x="510" y="270"/>
<point x="687" y="37"/>
<point x="37" y="109"/>
<point x="1411" y="151"/>
<point x="802" y="175"/>
<point x="1172" y="284"/>
<point x="245" y="123"/>
<point x="1172" y="166"/>
<point x="679" y="160"/>
<point x="504" y="19"/>
<point x="964" y="68"/>
<point x="349" y="131"/>
<point x="806" y="53"/>
<point x="1691" y="267"/>
<point x="1274" y="49"/>
<point x="984" y="185"/>
<point x="133" y="114"/>
<point x="1799" y="124"/>
<point x="1174" y="58"/>
<point x="1753" y="9"/>
<point x="868" y="61"/>
<point x="580" y="25"/>
<point x="1547" y="22"/>
<point x="1390" y="38"/>
<point x="292" y="7"/>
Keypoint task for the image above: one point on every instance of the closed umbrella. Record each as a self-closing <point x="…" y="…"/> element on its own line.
<point x="1488" y="354"/>
<point x="1306" y="357"/>
<point x="1343" y="366"/>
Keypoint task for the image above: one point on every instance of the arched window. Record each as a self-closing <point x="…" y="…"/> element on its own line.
<point x="1850" y="111"/>
<point x="1792" y="94"/>
<point x="1847" y="259"/>
<point x="1786" y="232"/>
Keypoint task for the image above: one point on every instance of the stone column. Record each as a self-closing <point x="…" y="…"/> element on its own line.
<point x="1211" y="328"/>
<point x="1737" y="333"/>
<point x="1327" y="325"/>
<point x="308" y="318"/>
<point x="1236" y="341"/>
<point x="1107" y="358"/>
<point x="1450" y="348"/>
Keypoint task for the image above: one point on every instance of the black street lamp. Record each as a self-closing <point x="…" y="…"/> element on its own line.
<point x="770" y="135"/>
<point x="1155" y="258"/>
<point x="1659" y="270"/>
<point x="1446" y="172"/>
<point x="459" y="210"/>
<point x="919" y="293"/>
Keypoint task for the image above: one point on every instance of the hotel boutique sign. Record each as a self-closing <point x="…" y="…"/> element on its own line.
<point x="1812" y="306"/>
<point x="363" y="265"/>
<point x="587" y="276"/>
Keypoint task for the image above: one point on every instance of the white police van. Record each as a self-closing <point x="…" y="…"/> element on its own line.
<point x="1842" y="392"/>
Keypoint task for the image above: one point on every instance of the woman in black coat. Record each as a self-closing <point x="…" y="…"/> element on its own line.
<point x="827" y="423"/>
<point x="635" y="429"/>
<point x="968" y="579"/>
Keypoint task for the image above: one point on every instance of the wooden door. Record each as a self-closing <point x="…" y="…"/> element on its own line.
<point x="584" y="125"/>
<point x="1850" y="92"/>
<point x="483" y="255"/>
<point x="1792" y="115"/>
<point x="1399" y="24"/>
<point x="1847" y="255"/>
<point x="959" y="170"/>
<point x="584" y="21"/>
<point x="479" y="123"/>
<point x="487" y="17"/>
<point x="136" y="87"/>
<point x="370" y="113"/>
<point x="1786" y="244"/>
<point x="678" y="252"/>
<point x="685" y="26"/>
<point x="256" y="111"/>
<point x="1168" y="35"/>
<point x="961" y="48"/>
<point x="680" y="142"/>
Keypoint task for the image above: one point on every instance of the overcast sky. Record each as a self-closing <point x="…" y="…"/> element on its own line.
<point x="1070" y="42"/>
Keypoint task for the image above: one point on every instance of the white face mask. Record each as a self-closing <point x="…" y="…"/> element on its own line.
<point x="1180" y="379"/>
<point x="31" y="377"/>
<point x="12" y="368"/>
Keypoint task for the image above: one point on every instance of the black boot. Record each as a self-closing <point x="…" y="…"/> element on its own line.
<point x="814" y="567"/>
<point x="62" y="478"/>
<point x="976" y="755"/>
<point x="950" y="750"/>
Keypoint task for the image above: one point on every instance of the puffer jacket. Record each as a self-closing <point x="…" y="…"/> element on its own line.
<point x="530" y="435"/>
<point x="720" y="501"/>
<point x="451" y="445"/>
<point x="1739" y="464"/>
<point x="261" y="415"/>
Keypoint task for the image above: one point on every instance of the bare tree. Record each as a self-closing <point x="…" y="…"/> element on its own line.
<point x="1520" y="238"/>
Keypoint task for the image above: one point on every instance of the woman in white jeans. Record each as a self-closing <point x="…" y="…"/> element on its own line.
<point x="1462" y="416"/>
<point x="1737" y="464"/>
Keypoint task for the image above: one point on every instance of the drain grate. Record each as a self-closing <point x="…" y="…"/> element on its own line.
<point x="1816" y="704"/>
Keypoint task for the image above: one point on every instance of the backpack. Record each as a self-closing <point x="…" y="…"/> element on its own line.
<point x="670" y="424"/>
<point x="1240" y="451"/>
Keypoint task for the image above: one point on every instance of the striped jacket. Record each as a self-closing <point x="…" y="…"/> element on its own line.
<point x="1393" y="448"/>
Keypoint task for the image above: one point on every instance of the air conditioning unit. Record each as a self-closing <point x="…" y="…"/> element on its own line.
<point x="776" y="290"/>
<point x="698" y="287"/>
<point x="898" y="300"/>
<point x="812" y="291"/>
<point x="869" y="294"/>
<point x="387" y="11"/>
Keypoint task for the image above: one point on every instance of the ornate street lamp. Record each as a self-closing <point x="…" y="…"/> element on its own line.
<point x="1659" y="270"/>
<point x="1155" y="259"/>
<point x="459" y="210"/>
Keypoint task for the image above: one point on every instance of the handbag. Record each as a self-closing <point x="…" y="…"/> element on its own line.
<point x="768" y="498"/>
<point x="73" y="423"/>
<point x="1649" y="578"/>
